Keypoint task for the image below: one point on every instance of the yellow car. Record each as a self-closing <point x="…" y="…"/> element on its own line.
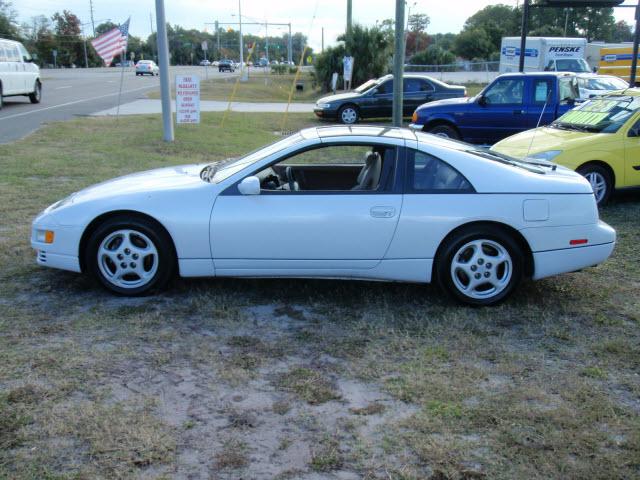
<point x="600" y="139"/>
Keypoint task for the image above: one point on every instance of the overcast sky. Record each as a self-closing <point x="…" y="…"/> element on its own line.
<point x="306" y="16"/>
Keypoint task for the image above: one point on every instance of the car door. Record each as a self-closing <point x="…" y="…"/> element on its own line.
<point x="4" y="69"/>
<point x="382" y="100"/>
<point x="327" y="232"/>
<point x="497" y="113"/>
<point x="16" y="71"/>
<point x="631" y="157"/>
<point x="540" y="109"/>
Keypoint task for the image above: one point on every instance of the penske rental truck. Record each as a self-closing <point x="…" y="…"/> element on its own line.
<point x="617" y="61"/>
<point x="554" y="54"/>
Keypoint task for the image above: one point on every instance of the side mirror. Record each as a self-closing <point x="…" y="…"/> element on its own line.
<point x="482" y="101"/>
<point x="249" y="186"/>
<point x="374" y="91"/>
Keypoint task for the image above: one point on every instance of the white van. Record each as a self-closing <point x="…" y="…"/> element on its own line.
<point x="19" y="75"/>
<point x="554" y="54"/>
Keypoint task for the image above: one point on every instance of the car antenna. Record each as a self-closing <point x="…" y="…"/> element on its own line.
<point x="546" y="101"/>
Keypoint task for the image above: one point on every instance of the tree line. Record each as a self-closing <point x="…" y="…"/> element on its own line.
<point x="65" y="34"/>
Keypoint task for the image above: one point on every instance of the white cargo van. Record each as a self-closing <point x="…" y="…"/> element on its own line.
<point x="19" y="75"/>
<point x="554" y="54"/>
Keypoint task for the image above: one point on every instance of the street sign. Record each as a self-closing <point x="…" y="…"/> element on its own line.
<point x="54" y="53"/>
<point x="204" y="45"/>
<point x="187" y="99"/>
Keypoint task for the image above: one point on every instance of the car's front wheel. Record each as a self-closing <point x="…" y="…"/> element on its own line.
<point x="600" y="180"/>
<point x="130" y="256"/>
<point x="36" y="95"/>
<point x="348" y="114"/>
<point x="480" y="266"/>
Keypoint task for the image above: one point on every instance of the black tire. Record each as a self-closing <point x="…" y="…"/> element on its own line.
<point x="36" y="95"/>
<point x="601" y="181"/>
<point x="506" y="273"/>
<point x="444" y="131"/>
<point x="165" y="258"/>
<point x="348" y="114"/>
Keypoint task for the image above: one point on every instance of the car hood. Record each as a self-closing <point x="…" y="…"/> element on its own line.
<point x="544" y="139"/>
<point x="448" y="105"/>
<point x="162" y="179"/>
<point x="339" y="97"/>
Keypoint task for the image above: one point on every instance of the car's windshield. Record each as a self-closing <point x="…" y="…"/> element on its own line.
<point x="602" y="83"/>
<point x="572" y="65"/>
<point x="601" y="115"/>
<point x="222" y="170"/>
<point x="366" y="86"/>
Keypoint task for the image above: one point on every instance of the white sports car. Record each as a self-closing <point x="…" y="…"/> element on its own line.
<point x="334" y="202"/>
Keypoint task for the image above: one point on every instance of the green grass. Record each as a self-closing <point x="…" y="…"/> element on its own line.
<point x="260" y="87"/>
<point x="222" y="377"/>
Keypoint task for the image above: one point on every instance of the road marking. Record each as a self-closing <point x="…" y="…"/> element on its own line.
<point x="75" y="102"/>
<point x="66" y="86"/>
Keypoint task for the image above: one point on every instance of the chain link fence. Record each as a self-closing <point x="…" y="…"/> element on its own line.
<point x="461" y="72"/>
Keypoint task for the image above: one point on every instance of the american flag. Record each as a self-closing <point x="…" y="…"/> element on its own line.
<point x="112" y="43"/>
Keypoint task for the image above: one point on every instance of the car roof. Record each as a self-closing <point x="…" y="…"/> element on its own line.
<point x="358" y="130"/>
<point x="538" y="74"/>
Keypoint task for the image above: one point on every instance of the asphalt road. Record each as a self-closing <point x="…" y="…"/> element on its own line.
<point x="67" y="93"/>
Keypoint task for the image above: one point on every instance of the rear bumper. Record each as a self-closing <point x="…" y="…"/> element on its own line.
<point x="567" y="260"/>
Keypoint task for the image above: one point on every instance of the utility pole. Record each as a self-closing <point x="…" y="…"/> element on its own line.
<point x="163" y="60"/>
<point x="93" y="24"/>
<point x="266" y="39"/>
<point x="523" y="33"/>
<point x="217" y="40"/>
<point x="349" y="18"/>
<point x="636" y="39"/>
<point x="322" y="48"/>
<point x="398" y="64"/>
<point x="290" y="46"/>
<point x="242" y="78"/>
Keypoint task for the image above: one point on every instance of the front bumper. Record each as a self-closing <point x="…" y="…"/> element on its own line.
<point x="325" y="113"/>
<point x="63" y="252"/>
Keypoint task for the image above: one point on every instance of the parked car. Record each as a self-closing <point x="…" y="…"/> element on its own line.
<point x="215" y="63"/>
<point x="205" y="63"/>
<point x="19" y="75"/>
<point x="128" y="63"/>
<point x="350" y="202"/>
<point x="512" y="103"/>
<point x="600" y="139"/>
<point x="591" y="85"/>
<point x="263" y="62"/>
<point x="147" y="67"/>
<point x="226" y="66"/>
<point x="375" y="98"/>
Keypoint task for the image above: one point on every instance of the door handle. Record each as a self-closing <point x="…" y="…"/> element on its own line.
<point x="382" y="212"/>
<point x="518" y="112"/>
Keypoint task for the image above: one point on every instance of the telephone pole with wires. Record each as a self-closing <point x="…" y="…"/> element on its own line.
<point x="93" y="23"/>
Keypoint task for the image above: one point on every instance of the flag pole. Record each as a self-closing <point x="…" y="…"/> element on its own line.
<point x="124" y="60"/>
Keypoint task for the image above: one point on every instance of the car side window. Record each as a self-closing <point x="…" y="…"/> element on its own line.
<point x="541" y="90"/>
<point x="426" y="86"/>
<point x="331" y="168"/>
<point x="13" y="54"/>
<point x="507" y="91"/>
<point x="386" y="87"/>
<point x="412" y="85"/>
<point x="428" y="174"/>
<point x="3" y="55"/>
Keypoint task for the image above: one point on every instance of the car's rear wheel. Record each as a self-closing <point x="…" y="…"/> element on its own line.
<point x="446" y="131"/>
<point x="480" y="265"/>
<point x="130" y="256"/>
<point x="348" y="114"/>
<point x="600" y="180"/>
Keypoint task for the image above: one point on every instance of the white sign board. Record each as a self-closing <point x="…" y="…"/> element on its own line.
<point x="204" y="45"/>
<point x="187" y="99"/>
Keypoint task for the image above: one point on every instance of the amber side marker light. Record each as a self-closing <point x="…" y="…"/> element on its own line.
<point x="414" y="117"/>
<point x="578" y="241"/>
<point x="45" y="236"/>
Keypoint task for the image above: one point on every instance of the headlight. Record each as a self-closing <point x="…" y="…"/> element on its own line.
<point x="549" y="155"/>
<point x="44" y="236"/>
<point x="323" y="106"/>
